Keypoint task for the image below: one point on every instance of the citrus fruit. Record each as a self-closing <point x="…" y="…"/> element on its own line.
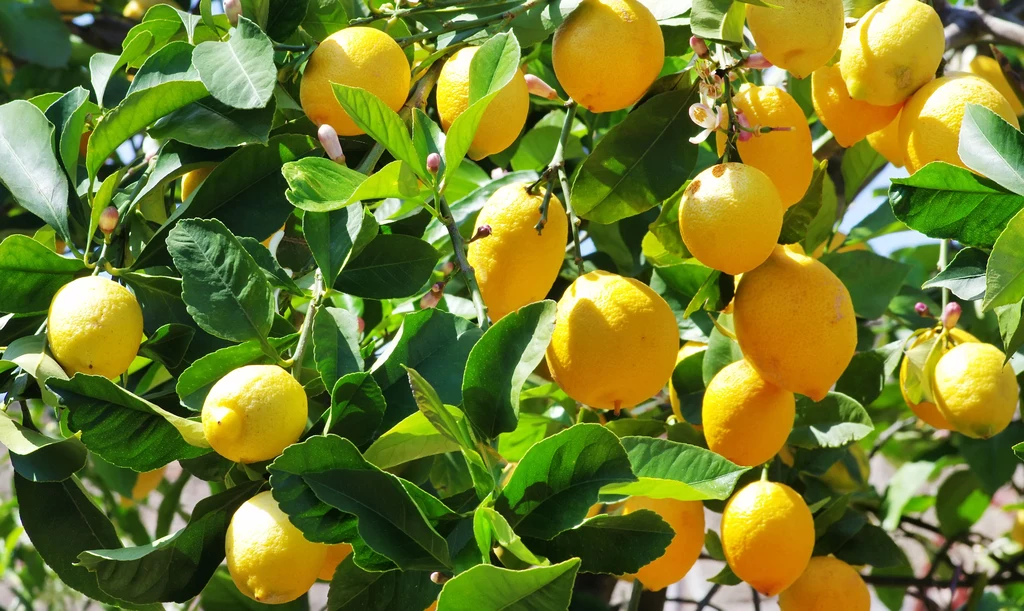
<point x="975" y="390"/>
<point x="795" y="323"/>
<point x="828" y="584"/>
<point x="614" y="343"/>
<point x="1017" y="533"/>
<point x="686" y="350"/>
<point x="848" y="119"/>
<point x="785" y="156"/>
<point x="988" y="68"/>
<point x="687" y="520"/>
<point x="886" y="142"/>
<point x="926" y="410"/>
<point x="7" y="69"/>
<point x="746" y="419"/>
<point x="505" y="115"/>
<point x="930" y="121"/>
<point x="767" y="535"/>
<point x="820" y="24"/>
<point x="253" y="413"/>
<point x="360" y="57"/>
<point x="94" y="326"/>
<point x="892" y="51"/>
<point x="73" y="6"/>
<point x="147" y="482"/>
<point x="136" y="9"/>
<point x="849" y="473"/>
<point x="191" y="181"/>
<point x="607" y="53"/>
<point x="515" y="265"/>
<point x="269" y="559"/>
<point x="730" y="217"/>
<point x="336" y="554"/>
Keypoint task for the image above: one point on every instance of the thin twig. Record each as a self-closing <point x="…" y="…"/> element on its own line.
<point x="307" y="324"/>
<point x="707" y="598"/>
<point x="457" y="26"/>
<point x="458" y="244"/>
<point x="888" y="434"/>
<point x="563" y="178"/>
<point x="635" y="595"/>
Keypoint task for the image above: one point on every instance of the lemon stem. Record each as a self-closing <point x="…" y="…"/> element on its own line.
<point x="722" y="329"/>
<point x="635" y="595"/>
<point x="307" y="324"/>
<point x="558" y="162"/>
<point x="764" y="471"/>
<point x="459" y="245"/>
<point x="943" y="262"/>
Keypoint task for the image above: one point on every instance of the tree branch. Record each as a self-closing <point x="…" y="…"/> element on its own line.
<point x="971" y="24"/>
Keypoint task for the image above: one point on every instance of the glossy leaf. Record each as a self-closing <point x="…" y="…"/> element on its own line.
<point x="357" y="407"/>
<point x="382" y="124"/>
<point x="490" y="588"/>
<point x="195" y="382"/>
<point x="336" y="237"/>
<point x="873" y="280"/>
<point x="391" y="266"/>
<point x="209" y="124"/>
<point x="411" y="439"/>
<point x="964" y="276"/>
<point x="31" y="274"/>
<point x="991" y="147"/>
<point x="316" y="184"/>
<point x="612" y="544"/>
<point x="39" y="458"/>
<point x="833" y="422"/>
<point x="669" y="470"/>
<point x="336" y="344"/>
<point x="354" y="589"/>
<point x="1004" y="274"/>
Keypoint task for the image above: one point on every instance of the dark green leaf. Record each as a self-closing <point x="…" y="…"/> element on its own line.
<point x="336" y="237"/>
<point x="799" y="216"/>
<point x="489" y="588"/>
<point x="324" y="17"/>
<point x="336" y="344"/>
<point x="39" y="458"/>
<point x="391" y="266"/>
<point x="168" y="344"/>
<point x="195" y="382"/>
<point x="670" y="470"/>
<point x="964" y="276"/>
<point x="872" y="545"/>
<point x="873" y="280"/>
<point x="992" y="460"/>
<point x="611" y="544"/>
<point x="960" y="502"/>
<point x="354" y="589"/>
<point x="34" y="32"/>
<point x="283" y="16"/>
<point x="835" y="421"/>
<point x="1010" y="328"/>
<point x="68" y="117"/>
<point x="357" y="407"/>
<point x="31" y="274"/>
<point x="210" y="124"/>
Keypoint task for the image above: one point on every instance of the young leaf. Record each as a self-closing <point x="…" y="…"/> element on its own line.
<point x="382" y="124"/>
<point x="391" y="266"/>
<point x="991" y="147"/>
<point x="490" y="526"/>
<point x="316" y="184"/>
<point x="210" y="124"/>
<point x="964" y="276"/>
<point x="1004" y="274"/>
<point x="413" y="438"/>
<point x="670" y="470"/>
<point x="29" y="353"/>
<point x="489" y="587"/>
<point x="833" y="422"/>
<point x="718" y="20"/>
<point x="31" y="274"/>
<point x="336" y="344"/>
<point x="903" y="485"/>
<point x="615" y="545"/>
<point x="39" y="458"/>
<point x="68" y="117"/>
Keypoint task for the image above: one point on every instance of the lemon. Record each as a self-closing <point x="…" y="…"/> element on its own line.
<point x="614" y="343"/>
<point x="926" y="410"/>
<point x="1017" y="533"/>
<point x="136" y="9"/>
<point x="975" y="391"/>
<point x="930" y="121"/>
<point x="798" y="36"/>
<point x="73" y="6"/>
<point x="253" y="413"/>
<point x="607" y="53"/>
<point x="785" y="156"/>
<point x="795" y="323"/>
<point x="7" y="69"/>
<point x="356" y="57"/>
<point x="147" y="482"/>
<point x="191" y="181"/>
<point x="688" y="349"/>
<point x="505" y="115"/>
<point x="269" y="559"/>
<point x="828" y="584"/>
<point x="514" y="265"/>
<point x="687" y="520"/>
<point x="988" y="68"/>
<point x="336" y="554"/>
<point x="848" y="119"/>
<point x="94" y="326"/>
<point x="850" y="473"/>
<point x="730" y="217"/>
<point x="886" y="142"/>
<point x="746" y="419"/>
<point x="767" y="535"/>
<point x="894" y="49"/>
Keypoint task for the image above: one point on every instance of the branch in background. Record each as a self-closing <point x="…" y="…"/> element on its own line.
<point x="983" y="23"/>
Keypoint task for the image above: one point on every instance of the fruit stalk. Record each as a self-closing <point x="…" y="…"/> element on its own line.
<point x="459" y="245"/>
<point x="558" y="161"/>
<point x="634" y="596"/>
<point x="307" y="324"/>
<point x="943" y="262"/>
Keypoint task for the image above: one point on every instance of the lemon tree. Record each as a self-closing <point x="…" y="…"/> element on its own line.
<point x="546" y="305"/>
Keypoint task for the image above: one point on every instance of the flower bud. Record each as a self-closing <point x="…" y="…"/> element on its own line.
<point x="329" y="140"/>
<point x="536" y="86"/>
<point x="361" y="323"/>
<point x="447" y="267"/>
<point x="700" y="48"/>
<point x="921" y="308"/>
<point x="233" y="10"/>
<point x="497" y="173"/>
<point x="433" y="163"/>
<point x="431" y="299"/>
<point x="108" y="220"/>
<point x="746" y="133"/>
<point x="482" y="232"/>
<point x="951" y="315"/>
<point x="439" y="578"/>
<point x="757" y="61"/>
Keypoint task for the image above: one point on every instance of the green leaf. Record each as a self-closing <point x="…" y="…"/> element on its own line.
<point x="39" y="458"/>
<point x="640" y="162"/>
<point x="799" y="216"/>
<point x="391" y="266"/>
<point x="864" y="378"/>
<point x="336" y="344"/>
<point x="413" y="438"/>
<point x="195" y="382"/>
<point x="175" y="568"/>
<point x="903" y="485"/>
<point x="960" y="502"/>
<point x="67" y="115"/>
<point x="720" y="20"/>
<point x="992" y="460"/>
<point x="168" y="344"/>
<point x="947" y="202"/>
<point x="284" y="16"/>
<point x="964" y="276"/>
<point x="489" y="588"/>
<point x="124" y="429"/>
<point x="28" y="167"/>
<point x="722" y="350"/>
<point x="490" y="526"/>
<point x="31" y="274"/>
<point x="221" y="593"/>
<point x="1004" y="275"/>
<point x="559" y="478"/>
<point x="991" y="147"/>
<point x="34" y="32"/>
<point x="29" y="353"/>
<point x="396" y="179"/>
<point x="277" y="276"/>
<point x="240" y="72"/>
<point x="336" y="237"/>
<point x="316" y="184"/>
<point x="670" y="470"/>
<point x="873" y="546"/>
<point x="354" y="589"/>
<point x="210" y="124"/>
<point x="225" y="291"/>
<point x="860" y="163"/>
<point x="357" y="407"/>
<point x="835" y="421"/>
<point x="1010" y="329"/>
<point x="382" y="124"/>
<point x="873" y="280"/>
<point x="616" y="545"/>
<point x="499" y="365"/>
<point x="324" y="17"/>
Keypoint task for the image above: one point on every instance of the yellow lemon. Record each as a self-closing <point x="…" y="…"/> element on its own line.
<point x="356" y="57"/>
<point x="336" y="554"/>
<point x="1017" y="533"/>
<point x="607" y="53"/>
<point x="191" y="181"/>
<point x="73" y="6"/>
<point x="767" y="536"/>
<point x="253" y="413"/>
<point x="7" y="69"/>
<point x="514" y="265"/>
<point x="930" y="121"/>
<point x="687" y="520"/>
<point x="614" y="343"/>
<point x="848" y="119"/>
<point x="828" y="584"/>
<point x="926" y="410"/>
<point x="688" y="349"/>
<point x="799" y="36"/>
<point x="785" y="156"/>
<point x="850" y="473"/>
<point x="730" y="217"/>
<point x="975" y="391"/>
<point x="146" y="483"/>
<point x="886" y="142"/>
<point x="795" y="323"/>
<point x="988" y="68"/>
<point x="505" y="115"/>
<point x="893" y="50"/>
<point x="746" y="419"/>
<point x="269" y="559"/>
<point x="94" y="326"/>
<point x="136" y="9"/>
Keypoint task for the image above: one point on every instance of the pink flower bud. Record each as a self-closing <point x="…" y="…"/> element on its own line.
<point x="497" y="173"/>
<point x="921" y="308"/>
<point x="536" y="86"/>
<point x="439" y="578"/>
<point x="746" y="133"/>
<point x="482" y="232"/>
<point x="431" y="299"/>
<point x="233" y="10"/>
<point x="362" y="324"/>
<point x="108" y="220"/>
<point x="757" y="61"/>
<point x="433" y="163"/>
<point x="329" y="140"/>
<point x="700" y="48"/>
<point x="951" y="315"/>
<point x="448" y="267"/>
